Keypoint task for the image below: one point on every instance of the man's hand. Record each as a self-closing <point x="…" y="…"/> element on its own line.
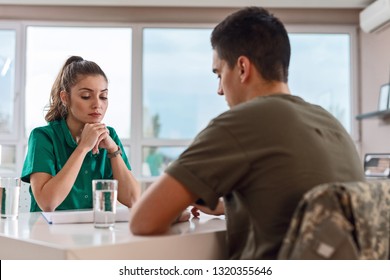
<point x="219" y="210"/>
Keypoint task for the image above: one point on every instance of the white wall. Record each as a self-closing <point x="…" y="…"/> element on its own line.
<point x="374" y="72"/>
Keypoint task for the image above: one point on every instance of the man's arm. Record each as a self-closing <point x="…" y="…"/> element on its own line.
<point x="160" y="206"/>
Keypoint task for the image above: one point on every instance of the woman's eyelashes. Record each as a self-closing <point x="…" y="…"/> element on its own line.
<point x="100" y="97"/>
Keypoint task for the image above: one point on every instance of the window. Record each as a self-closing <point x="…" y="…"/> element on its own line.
<point x="49" y="47"/>
<point x="8" y="94"/>
<point x="162" y="91"/>
<point x="7" y="160"/>
<point x="7" y="79"/>
<point x="179" y="91"/>
<point x="155" y="159"/>
<point x="320" y="72"/>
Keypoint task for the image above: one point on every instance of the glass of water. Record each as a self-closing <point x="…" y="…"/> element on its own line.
<point x="9" y="197"/>
<point x="105" y="194"/>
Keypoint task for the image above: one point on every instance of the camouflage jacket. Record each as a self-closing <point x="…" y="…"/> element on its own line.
<point x="341" y="221"/>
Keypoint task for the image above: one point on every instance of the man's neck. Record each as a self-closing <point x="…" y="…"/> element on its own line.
<point x="268" y="88"/>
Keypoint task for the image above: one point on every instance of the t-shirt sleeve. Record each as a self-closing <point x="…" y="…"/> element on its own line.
<point x="40" y="155"/>
<point x="212" y="165"/>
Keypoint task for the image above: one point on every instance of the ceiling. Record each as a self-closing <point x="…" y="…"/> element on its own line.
<point x="358" y="4"/>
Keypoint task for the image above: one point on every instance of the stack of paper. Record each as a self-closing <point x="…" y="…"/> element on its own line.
<point x="82" y="216"/>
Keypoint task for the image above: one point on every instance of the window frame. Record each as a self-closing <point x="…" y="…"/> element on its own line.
<point x="14" y="138"/>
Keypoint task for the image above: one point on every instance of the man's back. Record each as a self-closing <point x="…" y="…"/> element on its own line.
<point x="269" y="152"/>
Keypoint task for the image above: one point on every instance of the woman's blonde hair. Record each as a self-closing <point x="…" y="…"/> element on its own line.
<point x="74" y="67"/>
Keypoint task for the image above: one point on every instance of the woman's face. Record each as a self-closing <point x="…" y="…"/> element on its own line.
<point x="87" y="101"/>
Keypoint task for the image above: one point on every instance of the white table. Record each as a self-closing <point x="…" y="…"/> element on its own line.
<point x="31" y="237"/>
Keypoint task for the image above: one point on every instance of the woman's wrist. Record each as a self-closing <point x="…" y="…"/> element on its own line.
<point x="81" y="149"/>
<point x="114" y="152"/>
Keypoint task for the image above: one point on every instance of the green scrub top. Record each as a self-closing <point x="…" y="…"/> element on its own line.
<point x="49" y="147"/>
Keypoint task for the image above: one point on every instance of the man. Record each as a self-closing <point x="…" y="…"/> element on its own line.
<point x="262" y="155"/>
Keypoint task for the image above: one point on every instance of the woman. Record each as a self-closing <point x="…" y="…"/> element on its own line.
<point x="76" y="147"/>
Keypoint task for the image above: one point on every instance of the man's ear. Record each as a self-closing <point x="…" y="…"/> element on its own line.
<point x="243" y="66"/>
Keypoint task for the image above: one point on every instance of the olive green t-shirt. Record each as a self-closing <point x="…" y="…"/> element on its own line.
<point x="261" y="157"/>
<point x="49" y="147"/>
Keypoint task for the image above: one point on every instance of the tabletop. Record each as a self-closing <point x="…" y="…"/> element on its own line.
<point x="31" y="237"/>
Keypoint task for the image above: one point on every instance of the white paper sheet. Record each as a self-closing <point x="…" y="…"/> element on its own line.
<point x="82" y="216"/>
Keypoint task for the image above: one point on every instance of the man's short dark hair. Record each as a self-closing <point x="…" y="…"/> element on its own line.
<point x="258" y="35"/>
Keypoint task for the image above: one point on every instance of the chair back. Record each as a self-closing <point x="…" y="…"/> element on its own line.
<point x="341" y="221"/>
